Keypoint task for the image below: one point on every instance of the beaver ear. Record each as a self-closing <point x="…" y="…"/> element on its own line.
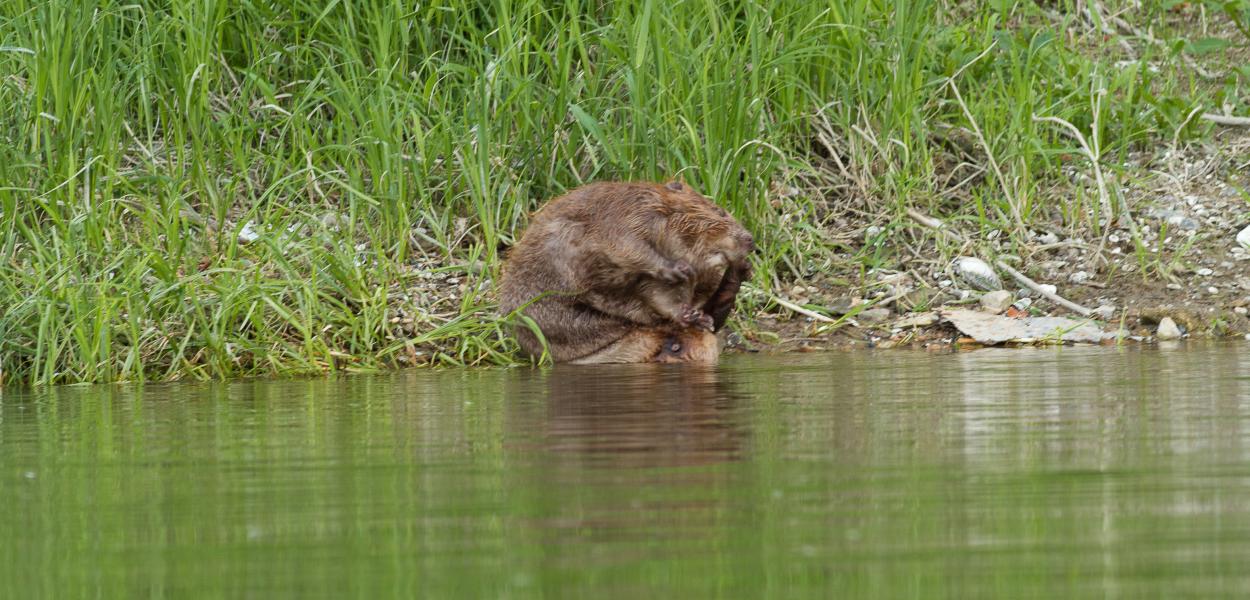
<point x="674" y="185"/>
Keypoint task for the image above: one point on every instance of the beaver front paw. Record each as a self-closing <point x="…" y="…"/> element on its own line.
<point x="691" y="316"/>
<point x="676" y="272"/>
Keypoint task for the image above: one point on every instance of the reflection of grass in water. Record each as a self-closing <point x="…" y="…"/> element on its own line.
<point x="370" y="141"/>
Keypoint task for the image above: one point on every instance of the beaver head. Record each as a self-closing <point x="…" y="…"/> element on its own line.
<point x="705" y="227"/>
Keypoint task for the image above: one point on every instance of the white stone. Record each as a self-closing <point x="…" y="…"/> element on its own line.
<point x="248" y="233"/>
<point x="1204" y="272"/>
<point x="977" y="273"/>
<point x="1168" y="330"/>
<point x="1243" y="238"/>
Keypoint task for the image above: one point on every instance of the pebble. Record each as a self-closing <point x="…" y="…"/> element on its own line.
<point x="1079" y="277"/>
<point x="1168" y="330"/>
<point x="1241" y="310"/>
<point x="1204" y="272"/>
<point x="997" y="301"/>
<point x="1213" y="290"/>
<point x="1174" y="286"/>
<point x="1105" y="312"/>
<point x="1243" y="238"/>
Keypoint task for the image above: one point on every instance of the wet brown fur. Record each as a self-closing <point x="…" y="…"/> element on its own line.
<point x="631" y="270"/>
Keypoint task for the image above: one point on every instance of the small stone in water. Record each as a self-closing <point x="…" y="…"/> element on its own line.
<point x="1168" y="330"/>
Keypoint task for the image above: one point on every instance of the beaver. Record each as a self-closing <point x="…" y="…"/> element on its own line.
<point x="616" y="272"/>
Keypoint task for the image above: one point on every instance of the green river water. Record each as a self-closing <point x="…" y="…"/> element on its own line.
<point x="1055" y="473"/>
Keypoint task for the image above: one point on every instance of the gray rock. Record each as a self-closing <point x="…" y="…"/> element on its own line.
<point x="917" y="320"/>
<point x="997" y="301"/>
<point x="1105" y="312"/>
<point x="1182" y="222"/>
<point x="1204" y="272"/>
<point x="1241" y="310"/>
<point x="873" y="315"/>
<point x="1168" y="330"/>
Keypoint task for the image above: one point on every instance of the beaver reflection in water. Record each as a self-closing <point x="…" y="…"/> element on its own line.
<point x="627" y="272"/>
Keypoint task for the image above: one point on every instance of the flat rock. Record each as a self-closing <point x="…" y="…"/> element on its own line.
<point x="994" y="329"/>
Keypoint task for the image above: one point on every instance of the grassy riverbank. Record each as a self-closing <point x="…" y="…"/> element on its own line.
<point x="212" y="189"/>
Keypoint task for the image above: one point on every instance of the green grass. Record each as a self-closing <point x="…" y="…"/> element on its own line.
<point x="374" y="142"/>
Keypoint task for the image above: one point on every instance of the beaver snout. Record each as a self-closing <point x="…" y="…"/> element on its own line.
<point x="746" y="241"/>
